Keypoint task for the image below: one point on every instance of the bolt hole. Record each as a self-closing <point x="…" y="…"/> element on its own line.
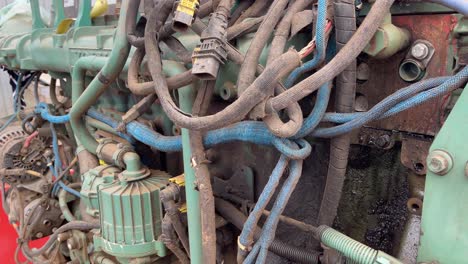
<point x="418" y="167"/>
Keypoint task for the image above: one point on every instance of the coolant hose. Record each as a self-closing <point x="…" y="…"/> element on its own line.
<point x="114" y="65"/>
<point x="346" y="56"/>
<point x="460" y="6"/>
<point x="345" y="26"/>
<point x="234" y="216"/>
<point x="449" y="85"/>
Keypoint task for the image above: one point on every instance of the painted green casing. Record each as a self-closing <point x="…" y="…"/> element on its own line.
<point x="444" y="223"/>
<point x="131" y="215"/>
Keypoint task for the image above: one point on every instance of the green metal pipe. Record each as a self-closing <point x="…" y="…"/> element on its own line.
<point x="37" y="21"/>
<point x="132" y="162"/>
<point x="59" y="11"/>
<point x="115" y="63"/>
<point x="84" y="14"/>
<point x="101" y="126"/>
<point x="186" y="98"/>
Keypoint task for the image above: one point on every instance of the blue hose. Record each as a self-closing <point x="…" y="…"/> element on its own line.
<point x="268" y="232"/>
<point x="69" y="190"/>
<point x="43" y="109"/>
<point x="320" y="44"/>
<point x="460" y="6"/>
<point x="247" y="131"/>
<point x="402" y="95"/>
<point x="246" y="236"/>
<point x="386" y="104"/>
<point x="321" y="103"/>
<point x="58" y="163"/>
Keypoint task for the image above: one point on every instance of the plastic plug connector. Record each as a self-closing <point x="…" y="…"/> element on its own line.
<point x="184" y="14"/>
<point x="211" y="53"/>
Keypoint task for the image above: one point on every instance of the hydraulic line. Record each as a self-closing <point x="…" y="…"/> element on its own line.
<point x="346" y="56"/>
<point x="345" y="26"/>
<point x="247" y="70"/>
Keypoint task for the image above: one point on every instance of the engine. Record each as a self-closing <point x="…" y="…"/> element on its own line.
<point x="223" y="131"/>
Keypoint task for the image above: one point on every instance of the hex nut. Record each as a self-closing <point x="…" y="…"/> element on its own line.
<point x="420" y="51"/>
<point x="439" y="162"/>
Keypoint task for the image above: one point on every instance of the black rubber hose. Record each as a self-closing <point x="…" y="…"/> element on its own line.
<point x="169" y="239"/>
<point x="232" y="113"/>
<point x="345" y="26"/>
<point x="237" y="218"/>
<point x="248" y="67"/>
<point x="130" y="25"/>
<point x="147" y="88"/>
<point x="284" y="28"/>
<point x="255" y="10"/>
<point x="75" y="225"/>
<point x="167" y="197"/>
<point x="202" y="174"/>
<point x="339" y="63"/>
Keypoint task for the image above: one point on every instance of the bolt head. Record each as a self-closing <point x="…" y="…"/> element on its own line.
<point x="420" y="51"/>
<point x="439" y="162"/>
<point x="39" y="234"/>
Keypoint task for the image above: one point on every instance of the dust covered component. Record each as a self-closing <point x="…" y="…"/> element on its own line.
<point x="235" y="131"/>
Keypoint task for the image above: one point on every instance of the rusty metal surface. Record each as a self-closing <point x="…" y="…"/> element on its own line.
<point x="414" y="153"/>
<point x="384" y="78"/>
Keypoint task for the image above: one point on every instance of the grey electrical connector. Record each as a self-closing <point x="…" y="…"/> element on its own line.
<point x="211" y="53"/>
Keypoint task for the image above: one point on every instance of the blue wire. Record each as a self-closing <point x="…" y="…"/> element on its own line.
<point x="320" y="44"/>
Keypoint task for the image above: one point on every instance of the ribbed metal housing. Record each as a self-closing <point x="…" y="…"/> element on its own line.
<point x="131" y="215"/>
